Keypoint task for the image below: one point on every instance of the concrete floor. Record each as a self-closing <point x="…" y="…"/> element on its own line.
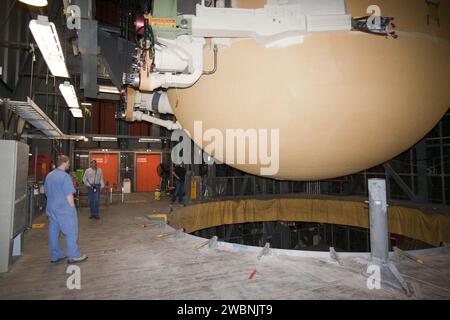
<point x="127" y="261"/>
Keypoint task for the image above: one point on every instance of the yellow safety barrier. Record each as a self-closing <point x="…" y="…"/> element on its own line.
<point x="410" y="222"/>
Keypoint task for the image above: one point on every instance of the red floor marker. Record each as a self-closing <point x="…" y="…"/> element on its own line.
<point x="250" y="277"/>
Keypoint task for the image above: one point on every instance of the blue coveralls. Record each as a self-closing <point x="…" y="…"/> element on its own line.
<point x="62" y="217"/>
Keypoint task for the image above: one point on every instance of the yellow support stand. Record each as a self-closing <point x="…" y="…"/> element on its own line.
<point x="212" y="243"/>
<point x="178" y="234"/>
<point x="154" y="216"/>
<point x="402" y="254"/>
<point x="195" y="187"/>
<point x="37" y="225"/>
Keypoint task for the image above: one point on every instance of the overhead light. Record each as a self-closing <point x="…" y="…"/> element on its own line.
<point x="44" y="32"/>
<point x="104" y="139"/>
<point x="108" y="89"/>
<point x="36" y="3"/>
<point x="147" y="140"/>
<point x="76" y="113"/>
<point x="87" y="104"/>
<point x="69" y="94"/>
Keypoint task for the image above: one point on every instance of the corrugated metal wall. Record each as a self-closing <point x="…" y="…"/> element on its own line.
<point x="13" y="32"/>
<point x="104" y="118"/>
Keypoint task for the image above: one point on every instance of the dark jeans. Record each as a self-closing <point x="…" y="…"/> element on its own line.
<point x="94" y="200"/>
<point x="179" y="191"/>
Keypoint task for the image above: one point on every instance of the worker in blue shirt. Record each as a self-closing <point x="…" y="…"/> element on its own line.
<point x="61" y="212"/>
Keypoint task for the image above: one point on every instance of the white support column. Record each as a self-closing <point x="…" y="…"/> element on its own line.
<point x="379" y="238"/>
<point x="378" y="220"/>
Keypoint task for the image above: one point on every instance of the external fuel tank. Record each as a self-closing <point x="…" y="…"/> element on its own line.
<point x="342" y="101"/>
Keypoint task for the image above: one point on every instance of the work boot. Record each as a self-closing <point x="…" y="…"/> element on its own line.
<point x="77" y="260"/>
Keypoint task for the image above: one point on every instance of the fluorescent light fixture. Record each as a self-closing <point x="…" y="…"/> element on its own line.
<point x="104" y="139"/>
<point x="36" y="3"/>
<point x="44" y="32"/>
<point x="84" y="156"/>
<point x="76" y="112"/>
<point x="87" y="104"/>
<point x="147" y="140"/>
<point x="108" y="89"/>
<point x="68" y="92"/>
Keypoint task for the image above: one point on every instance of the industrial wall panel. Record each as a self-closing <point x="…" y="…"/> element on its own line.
<point x="108" y="118"/>
<point x="42" y="166"/>
<point x="21" y="171"/>
<point x="104" y="118"/>
<point x="140" y="129"/>
<point x="13" y="196"/>
<point x="147" y="179"/>
<point x="107" y="12"/>
<point x="109" y="163"/>
<point x="20" y="216"/>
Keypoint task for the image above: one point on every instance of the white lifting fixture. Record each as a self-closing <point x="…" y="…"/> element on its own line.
<point x="170" y="52"/>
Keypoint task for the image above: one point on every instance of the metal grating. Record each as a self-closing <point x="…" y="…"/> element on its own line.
<point x="30" y="112"/>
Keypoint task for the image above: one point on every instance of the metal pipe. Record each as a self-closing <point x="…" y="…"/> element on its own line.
<point x="378" y="220"/>
<point x="411" y="170"/>
<point x="36" y="152"/>
<point x="8" y="15"/>
<point x="332" y="235"/>
<point x="348" y="239"/>
<point x="441" y="150"/>
<point x="15" y="45"/>
<point x="215" y="62"/>
<point x="72" y="73"/>
<point x="31" y="206"/>
<point x="39" y="93"/>
<point x="33" y="59"/>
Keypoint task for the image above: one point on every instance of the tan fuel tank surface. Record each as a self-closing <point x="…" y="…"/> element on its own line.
<point x="342" y="101"/>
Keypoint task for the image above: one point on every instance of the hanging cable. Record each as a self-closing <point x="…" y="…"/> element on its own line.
<point x="33" y="59"/>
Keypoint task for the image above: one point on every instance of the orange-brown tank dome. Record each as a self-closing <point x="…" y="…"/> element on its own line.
<point x="343" y="101"/>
